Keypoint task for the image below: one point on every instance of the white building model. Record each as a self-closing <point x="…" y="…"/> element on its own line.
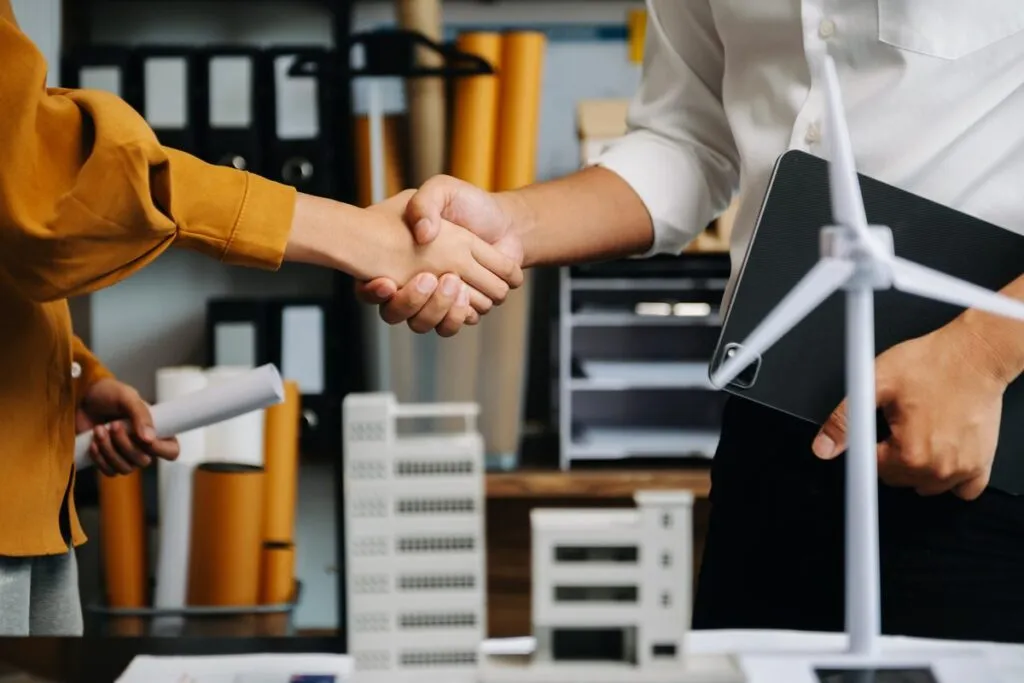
<point x="611" y="599"/>
<point x="415" y="549"/>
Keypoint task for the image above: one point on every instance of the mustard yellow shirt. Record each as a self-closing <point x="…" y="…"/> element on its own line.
<point x="88" y="197"/>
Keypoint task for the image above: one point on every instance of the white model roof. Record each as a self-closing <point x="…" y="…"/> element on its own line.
<point x="659" y="498"/>
<point x="554" y="519"/>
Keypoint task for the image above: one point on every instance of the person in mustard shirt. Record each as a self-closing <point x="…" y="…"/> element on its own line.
<point x="87" y="198"/>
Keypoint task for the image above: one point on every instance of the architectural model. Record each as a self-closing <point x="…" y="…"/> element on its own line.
<point x="611" y="599"/>
<point x="415" y="552"/>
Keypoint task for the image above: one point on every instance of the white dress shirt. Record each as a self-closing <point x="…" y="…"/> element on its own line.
<point x="933" y="91"/>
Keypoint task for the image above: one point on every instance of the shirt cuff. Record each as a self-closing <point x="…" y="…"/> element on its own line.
<point x="671" y="182"/>
<point x="92" y="370"/>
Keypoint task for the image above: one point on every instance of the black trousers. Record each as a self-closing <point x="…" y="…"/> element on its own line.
<point x="775" y="548"/>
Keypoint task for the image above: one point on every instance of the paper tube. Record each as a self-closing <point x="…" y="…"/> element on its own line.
<point x="473" y="140"/>
<point x="425" y="96"/>
<point x="281" y="465"/>
<point x="254" y="390"/>
<point x="239" y="440"/>
<point x="277" y="574"/>
<point x="504" y="332"/>
<point x="224" y="558"/>
<point x="123" y="537"/>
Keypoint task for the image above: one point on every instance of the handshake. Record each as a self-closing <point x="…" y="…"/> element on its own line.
<point x="437" y="258"/>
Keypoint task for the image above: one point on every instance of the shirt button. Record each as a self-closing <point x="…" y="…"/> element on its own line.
<point x="827" y="28"/>
<point x="76" y="370"/>
<point x="813" y="134"/>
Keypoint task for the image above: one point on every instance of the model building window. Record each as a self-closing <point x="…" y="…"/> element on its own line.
<point x="440" y="620"/>
<point x="666" y="560"/>
<point x="666" y="599"/>
<point x="583" y="553"/>
<point x="437" y="658"/>
<point x="435" y="506"/>
<point x="666" y="521"/>
<point x="663" y="650"/>
<point x="416" y="468"/>
<point x="437" y="544"/>
<point x="596" y="593"/>
<point x="437" y="582"/>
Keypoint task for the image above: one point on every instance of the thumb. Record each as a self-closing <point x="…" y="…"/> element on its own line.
<point x="831" y="438"/>
<point x="437" y="198"/>
<point x="139" y="415"/>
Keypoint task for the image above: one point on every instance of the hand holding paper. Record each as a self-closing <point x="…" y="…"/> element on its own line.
<point x="254" y="390"/>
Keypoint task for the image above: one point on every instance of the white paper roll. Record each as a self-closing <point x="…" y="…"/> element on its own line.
<point x="175" y="504"/>
<point x="240" y="439"/>
<point x="250" y="391"/>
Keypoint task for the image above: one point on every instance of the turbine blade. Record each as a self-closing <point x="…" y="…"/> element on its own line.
<point x="826" y="277"/>
<point x="847" y="203"/>
<point x="922" y="281"/>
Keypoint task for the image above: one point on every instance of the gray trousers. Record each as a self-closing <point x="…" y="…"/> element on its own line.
<point x="39" y="596"/>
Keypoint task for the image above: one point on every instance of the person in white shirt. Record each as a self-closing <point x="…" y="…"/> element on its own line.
<point x="934" y="96"/>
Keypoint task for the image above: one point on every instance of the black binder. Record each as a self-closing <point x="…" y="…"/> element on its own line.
<point x="231" y="116"/>
<point x="803" y="373"/>
<point x="303" y="338"/>
<point x="299" y="107"/>
<point x="169" y="96"/>
<point x="103" y="67"/>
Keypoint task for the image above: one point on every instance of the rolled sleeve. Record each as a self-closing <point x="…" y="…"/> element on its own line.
<point x="678" y="155"/>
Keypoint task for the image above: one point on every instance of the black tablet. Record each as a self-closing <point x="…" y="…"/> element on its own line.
<point x="803" y="373"/>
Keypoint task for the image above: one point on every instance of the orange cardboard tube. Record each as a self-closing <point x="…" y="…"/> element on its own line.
<point x="277" y="582"/>
<point x="394" y="178"/>
<point x="281" y="465"/>
<point x="475" y="125"/>
<point x="123" y="535"/>
<point x="227" y="525"/>
<point x="522" y="73"/>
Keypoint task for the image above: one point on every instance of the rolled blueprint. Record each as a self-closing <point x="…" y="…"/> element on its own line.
<point x="240" y="439"/>
<point x="253" y="390"/>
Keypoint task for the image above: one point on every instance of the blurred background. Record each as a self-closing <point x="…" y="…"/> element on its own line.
<point x="591" y="380"/>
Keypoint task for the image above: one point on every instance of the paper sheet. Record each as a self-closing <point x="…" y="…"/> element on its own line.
<point x="235" y="668"/>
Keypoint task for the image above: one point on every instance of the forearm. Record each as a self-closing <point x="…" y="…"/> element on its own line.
<point x="999" y="340"/>
<point x="591" y="215"/>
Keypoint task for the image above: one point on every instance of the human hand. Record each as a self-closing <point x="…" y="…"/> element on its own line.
<point x="117" y="449"/>
<point x="942" y="397"/>
<point x="492" y="217"/>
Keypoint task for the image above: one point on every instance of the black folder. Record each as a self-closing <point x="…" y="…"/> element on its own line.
<point x="303" y="338"/>
<point x="298" y="105"/>
<point x="103" y="67"/>
<point x="169" y="95"/>
<point x="803" y="373"/>
<point x="231" y="116"/>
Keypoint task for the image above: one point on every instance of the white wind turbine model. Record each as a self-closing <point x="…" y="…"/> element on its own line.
<point x="859" y="259"/>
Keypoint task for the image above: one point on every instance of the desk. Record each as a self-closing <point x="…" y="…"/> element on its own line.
<point x="102" y="660"/>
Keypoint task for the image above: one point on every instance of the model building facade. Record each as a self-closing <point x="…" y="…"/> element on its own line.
<point x="611" y="598"/>
<point x="415" y="551"/>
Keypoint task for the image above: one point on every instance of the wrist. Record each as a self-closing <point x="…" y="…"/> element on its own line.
<point x="522" y="222"/>
<point x="321" y="234"/>
<point x="996" y="344"/>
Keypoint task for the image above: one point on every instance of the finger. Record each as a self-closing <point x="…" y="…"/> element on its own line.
<point x="101" y="437"/>
<point x="139" y="416"/>
<point x="972" y="488"/>
<point x="376" y="291"/>
<point x="488" y="284"/>
<point x="499" y="264"/>
<point x="456" y="317"/>
<point x="423" y="212"/>
<point x="409" y="300"/>
<point x="99" y="461"/>
<point x="435" y="310"/>
<point x="479" y="303"/>
<point x="831" y="439"/>
<point x="165" y="449"/>
<point x="472" y="317"/>
<point x="127" y="446"/>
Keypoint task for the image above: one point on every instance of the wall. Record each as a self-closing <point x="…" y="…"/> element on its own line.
<point x="156" y="318"/>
